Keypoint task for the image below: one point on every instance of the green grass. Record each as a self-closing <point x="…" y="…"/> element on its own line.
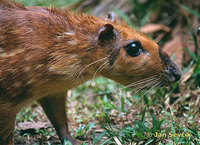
<point x="125" y="117"/>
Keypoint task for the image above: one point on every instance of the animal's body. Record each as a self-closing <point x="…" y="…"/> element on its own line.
<point x="45" y="52"/>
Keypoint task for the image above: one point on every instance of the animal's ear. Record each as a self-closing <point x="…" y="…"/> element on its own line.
<point x="111" y="16"/>
<point x="106" y="32"/>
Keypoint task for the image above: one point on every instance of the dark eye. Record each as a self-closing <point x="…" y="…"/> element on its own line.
<point x="134" y="48"/>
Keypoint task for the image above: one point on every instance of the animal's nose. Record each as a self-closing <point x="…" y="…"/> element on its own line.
<point x="176" y="72"/>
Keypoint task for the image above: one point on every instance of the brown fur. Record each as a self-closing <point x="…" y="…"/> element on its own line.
<point x="45" y="52"/>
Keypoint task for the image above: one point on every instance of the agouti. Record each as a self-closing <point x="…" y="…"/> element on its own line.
<point x="45" y="52"/>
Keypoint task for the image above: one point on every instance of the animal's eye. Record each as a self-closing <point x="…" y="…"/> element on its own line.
<point x="134" y="48"/>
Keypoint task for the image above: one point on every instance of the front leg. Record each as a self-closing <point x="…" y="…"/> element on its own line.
<point x="54" y="108"/>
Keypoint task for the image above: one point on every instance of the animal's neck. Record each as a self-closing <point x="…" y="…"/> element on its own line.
<point x="75" y="44"/>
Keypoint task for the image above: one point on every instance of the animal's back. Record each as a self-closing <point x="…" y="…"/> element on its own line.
<point x="29" y="38"/>
<point x="8" y="5"/>
<point x="23" y="39"/>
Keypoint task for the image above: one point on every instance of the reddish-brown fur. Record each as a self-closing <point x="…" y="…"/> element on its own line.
<point x="45" y="52"/>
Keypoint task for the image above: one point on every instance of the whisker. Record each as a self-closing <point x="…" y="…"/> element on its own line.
<point x="145" y="85"/>
<point x="141" y="81"/>
<point x="150" y="83"/>
<point x="154" y="86"/>
<point x="93" y="63"/>
<point x="100" y="69"/>
<point x="90" y="65"/>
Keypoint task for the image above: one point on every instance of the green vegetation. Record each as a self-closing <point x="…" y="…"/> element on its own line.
<point x="107" y="114"/>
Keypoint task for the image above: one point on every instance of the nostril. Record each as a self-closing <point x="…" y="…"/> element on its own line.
<point x="177" y="77"/>
<point x="176" y="73"/>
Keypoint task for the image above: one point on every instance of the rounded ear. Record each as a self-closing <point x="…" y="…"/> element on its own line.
<point x="111" y="16"/>
<point x="106" y="33"/>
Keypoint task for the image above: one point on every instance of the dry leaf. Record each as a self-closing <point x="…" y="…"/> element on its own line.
<point x="151" y="28"/>
<point x="117" y="140"/>
<point x="30" y="125"/>
<point x="175" y="47"/>
<point x="187" y="74"/>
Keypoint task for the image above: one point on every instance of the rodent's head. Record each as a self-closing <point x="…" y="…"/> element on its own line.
<point x="132" y="58"/>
